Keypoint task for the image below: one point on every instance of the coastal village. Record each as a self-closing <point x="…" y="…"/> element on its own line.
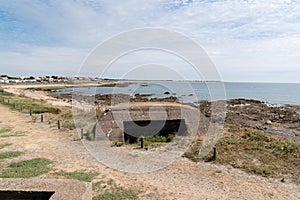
<point x="6" y="79"/>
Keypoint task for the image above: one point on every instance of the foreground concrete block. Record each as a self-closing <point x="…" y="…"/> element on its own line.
<point x="63" y="189"/>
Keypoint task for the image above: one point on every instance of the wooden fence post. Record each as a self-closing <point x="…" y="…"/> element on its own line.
<point x="81" y="133"/>
<point x="42" y="118"/>
<point x="58" y="124"/>
<point x="215" y="153"/>
<point x="142" y="142"/>
<point x="94" y="134"/>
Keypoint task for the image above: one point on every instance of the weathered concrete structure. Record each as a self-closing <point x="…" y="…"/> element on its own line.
<point x="37" y="188"/>
<point x="145" y="119"/>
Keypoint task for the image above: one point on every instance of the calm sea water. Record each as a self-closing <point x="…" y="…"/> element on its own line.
<point x="274" y="93"/>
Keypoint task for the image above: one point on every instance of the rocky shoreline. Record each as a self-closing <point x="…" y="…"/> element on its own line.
<point x="277" y="120"/>
<point x="281" y="121"/>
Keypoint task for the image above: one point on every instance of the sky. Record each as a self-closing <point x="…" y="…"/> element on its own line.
<point x="247" y="40"/>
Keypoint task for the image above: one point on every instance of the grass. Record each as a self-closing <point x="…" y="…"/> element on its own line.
<point x="5" y="130"/>
<point x="2" y="146"/>
<point x="109" y="190"/>
<point x="14" y="134"/>
<point x="37" y="106"/>
<point x="119" y="193"/>
<point x="97" y="185"/>
<point x="81" y="176"/>
<point x="193" y="152"/>
<point x="15" y="102"/>
<point x="10" y="154"/>
<point x="151" y="141"/>
<point x="255" y="152"/>
<point x="66" y="116"/>
<point x="160" y="138"/>
<point x="27" y="168"/>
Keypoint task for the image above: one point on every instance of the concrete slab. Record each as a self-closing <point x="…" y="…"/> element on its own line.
<point x="64" y="189"/>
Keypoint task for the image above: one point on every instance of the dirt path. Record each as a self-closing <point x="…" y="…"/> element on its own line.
<point x="181" y="180"/>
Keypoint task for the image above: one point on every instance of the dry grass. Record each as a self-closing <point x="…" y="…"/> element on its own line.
<point x="2" y="146"/>
<point x="256" y="152"/>
<point x="26" y="104"/>
<point x="109" y="190"/>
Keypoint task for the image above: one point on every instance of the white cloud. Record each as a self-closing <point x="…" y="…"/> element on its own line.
<point x="27" y="61"/>
<point x="246" y="39"/>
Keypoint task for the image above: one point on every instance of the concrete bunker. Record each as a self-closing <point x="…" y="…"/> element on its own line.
<point x="135" y="129"/>
<point x="125" y="123"/>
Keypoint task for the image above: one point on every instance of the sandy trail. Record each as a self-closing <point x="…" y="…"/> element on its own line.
<point x="181" y="180"/>
<point x="35" y="94"/>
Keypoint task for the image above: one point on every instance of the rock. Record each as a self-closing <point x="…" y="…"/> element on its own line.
<point x="268" y="122"/>
<point x="281" y="116"/>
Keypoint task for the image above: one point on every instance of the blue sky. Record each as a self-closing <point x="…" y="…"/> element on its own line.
<point x="248" y="40"/>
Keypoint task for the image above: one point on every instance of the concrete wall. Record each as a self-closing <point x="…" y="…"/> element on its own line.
<point x="111" y="123"/>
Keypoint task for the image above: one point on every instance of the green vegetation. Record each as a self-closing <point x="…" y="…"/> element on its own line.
<point x="10" y="134"/>
<point x="105" y="189"/>
<point x="98" y="185"/>
<point x="27" y="168"/>
<point x="193" y="152"/>
<point x="255" y="152"/>
<point x="10" y="154"/>
<point x="118" y="193"/>
<point x="5" y="130"/>
<point x="109" y="190"/>
<point x="13" y="135"/>
<point x="25" y="103"/>
<point x="118" y="144"/>
<point x="2" y="146"/>
<point x="53" y="88"/>
<point x="160" y="138"/>
<point x="150" y="141"/>
<point x="81" y="176"/>
<point x="65" y="117"/>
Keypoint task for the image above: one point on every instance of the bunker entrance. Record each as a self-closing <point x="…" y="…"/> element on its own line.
<point x="22" y="195"/>
<point x="167" y="129"/>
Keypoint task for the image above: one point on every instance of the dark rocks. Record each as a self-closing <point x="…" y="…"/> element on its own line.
<point x="278" y="121"/>
<point x="138" y="95"/>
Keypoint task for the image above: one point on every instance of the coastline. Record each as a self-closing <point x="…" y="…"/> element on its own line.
<point x="277" y="120"/>
<point x="204" y="179"/>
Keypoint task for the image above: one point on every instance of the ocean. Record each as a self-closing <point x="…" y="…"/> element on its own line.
<point x="273" y="93"/>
